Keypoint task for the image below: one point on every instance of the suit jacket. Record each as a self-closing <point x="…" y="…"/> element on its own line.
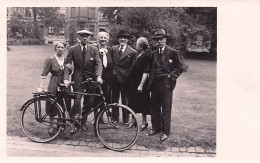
<point x="171" y="65"/>
<point x="90" y="68"/>
<point x="122" y="63"/>
<point x="107" y="73"/>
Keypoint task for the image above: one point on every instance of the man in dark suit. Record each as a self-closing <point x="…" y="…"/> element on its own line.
<point x="123" y="57"/>
<point x="87" y="64"/>
<point x="166" y="68"/>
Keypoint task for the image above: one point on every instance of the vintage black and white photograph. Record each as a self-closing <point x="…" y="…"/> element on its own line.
<point x="111" y="81"/>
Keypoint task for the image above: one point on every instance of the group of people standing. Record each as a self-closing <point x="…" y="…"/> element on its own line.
<point x="145" y="79"/>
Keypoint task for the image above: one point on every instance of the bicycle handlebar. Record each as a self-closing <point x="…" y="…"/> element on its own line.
<point x="92" y="81"/>
<point x="63" y="85"/>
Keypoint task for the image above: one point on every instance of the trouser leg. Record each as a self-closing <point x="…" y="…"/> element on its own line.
<point x="166" y="98"/>
<point x="124" y="96"/>
<point x="76" y="108"/>
<point x="155" y="107"/>
<point x="88" y="100"/>
<point x="115" y="99"/>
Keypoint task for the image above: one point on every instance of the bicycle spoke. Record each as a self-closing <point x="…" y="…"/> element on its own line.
<point x="38" y="129"/>
<point x="115" y="135"/>
<point x="31" y="110"/>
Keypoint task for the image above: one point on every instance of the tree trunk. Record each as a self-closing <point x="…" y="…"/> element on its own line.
<point x="36" y="33"/>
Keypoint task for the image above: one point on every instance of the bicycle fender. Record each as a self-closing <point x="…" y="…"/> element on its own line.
<point x="46" y="95"/>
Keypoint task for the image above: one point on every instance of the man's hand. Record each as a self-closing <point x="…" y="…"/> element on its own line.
<point x="69" y="66"/>
<point x="39" y="89"/>
<point x="140" y="88"/>
<point x="66" y="83"/>
<point x="99" y="79"/>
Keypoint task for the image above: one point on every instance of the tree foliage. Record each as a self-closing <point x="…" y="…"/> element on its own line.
<point x="181" y="24"/>
<point x="29" y="24"/>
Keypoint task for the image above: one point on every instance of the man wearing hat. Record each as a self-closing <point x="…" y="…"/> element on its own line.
<point x="87" y="64"/>
<point x="123" y="57"/>
<point x="166" y="68"/>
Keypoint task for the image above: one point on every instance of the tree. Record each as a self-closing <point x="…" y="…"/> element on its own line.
<point x="181" y="23"/>
<point x="29" y="24"/>
<point x="50" y="17"/>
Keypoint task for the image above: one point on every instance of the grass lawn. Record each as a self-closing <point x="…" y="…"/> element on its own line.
<point x="194" y="100"/>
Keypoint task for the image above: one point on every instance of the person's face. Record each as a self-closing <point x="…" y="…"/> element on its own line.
<point x="123" y="40"/>
<point x="84" y="38"/>
<point x="60" y="48"/>
<point x="138" y="47"/>
<point x="102" y="39"/>
<point x="161" y="42"/>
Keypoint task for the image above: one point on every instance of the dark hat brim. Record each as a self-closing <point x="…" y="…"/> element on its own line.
<point x="159" y="36"/>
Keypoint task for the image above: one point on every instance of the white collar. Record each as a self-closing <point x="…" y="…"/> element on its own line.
<point x="81" y="46"/>
<point x="60" y="60"/>
<point x="124" y="47"/>
<point x="162" y="48"/>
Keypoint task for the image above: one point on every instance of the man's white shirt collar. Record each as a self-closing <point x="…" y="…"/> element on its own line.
<point x="162" y="49"/>
<point x="124" y="47"/>
<point x="81" y="47"/>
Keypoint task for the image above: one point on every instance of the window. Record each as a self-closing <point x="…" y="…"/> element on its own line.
<point x="61" y="32"/>
<point x="83" y="12"/>
<point x="102" y="16"/>
<point x="27" y="12"/>
<point x="51" y="31"/>
<point x="102" y="30"/>
<point x="62" y="11"/>
<point x="92" y="12"/>
<point x="73" y="12"/>
<point x="82" y="26"/>
<point x="92" y="29"/>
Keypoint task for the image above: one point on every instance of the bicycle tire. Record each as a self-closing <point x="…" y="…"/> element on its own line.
<point x="116" y="136"/>
<point x="38" y="130"/>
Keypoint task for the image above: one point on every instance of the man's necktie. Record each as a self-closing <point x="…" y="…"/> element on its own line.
<point x="84" y="53"/>
<point x="160" y="56"/>
<point x="121" y="49"/>
<point x="160" y="51"/>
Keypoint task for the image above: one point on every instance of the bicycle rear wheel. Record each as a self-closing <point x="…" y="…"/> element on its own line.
<point x="36" y="123"/>
<point x="115" y="135"/>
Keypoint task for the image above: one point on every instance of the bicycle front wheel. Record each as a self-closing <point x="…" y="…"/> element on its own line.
<point x="116" y="135"/>
<point x="41" y="119"/>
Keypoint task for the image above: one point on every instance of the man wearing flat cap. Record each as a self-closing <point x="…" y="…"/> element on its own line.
<point x="123" y="57"/>
<point x="166" y="68"/>
<point x="87" y="64"/>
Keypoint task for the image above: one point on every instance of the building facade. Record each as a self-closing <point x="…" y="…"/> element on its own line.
<point x="76" y="18"/>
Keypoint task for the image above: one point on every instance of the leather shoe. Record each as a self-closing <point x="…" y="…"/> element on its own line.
<point x="84" y="126"/>
<point x="131" y="125"/>
<point x="144" y="126"/>
<point x="153" y="132"/>
<point x="163" y="137"/>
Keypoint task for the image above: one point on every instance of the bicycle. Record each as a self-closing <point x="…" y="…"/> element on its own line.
<point x="35" y="121"/>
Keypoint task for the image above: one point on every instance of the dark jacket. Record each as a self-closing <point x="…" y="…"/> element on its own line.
<point x="171" y="65"/>
<point x="90" y="68"/>
<point x="122" y="63"/>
